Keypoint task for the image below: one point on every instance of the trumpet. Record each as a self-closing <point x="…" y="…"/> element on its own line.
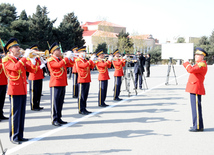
<point x="36" y="53"/>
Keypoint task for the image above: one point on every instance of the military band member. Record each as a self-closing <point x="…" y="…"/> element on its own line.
<point x="84" y="79"/>
<point x="195" y="86"/>
<point x="15" y="70"/>
<point x="35" y="81"/>
<point x="75" y="74"/>
<point x="58" y="81"/>
<point x="118" y="65"/>
<point x="3" y="89"/>
<point x="103" y="77"/>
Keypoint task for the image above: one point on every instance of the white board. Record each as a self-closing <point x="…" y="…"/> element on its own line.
<point x="177" y="51"/>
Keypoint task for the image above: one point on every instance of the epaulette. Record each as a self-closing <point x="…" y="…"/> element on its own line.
<point x="28" y="58"/>
<point x="201" y="64"/>
<point x="5" y="59"/>
<point x="77" y="60"/>
<point x="50" y="59"/>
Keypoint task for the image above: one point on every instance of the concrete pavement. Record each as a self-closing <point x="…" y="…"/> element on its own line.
<point x="156" y="121"/>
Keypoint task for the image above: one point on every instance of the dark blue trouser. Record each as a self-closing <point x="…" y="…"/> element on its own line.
<point x="138" y="74"/>
<point x="117" y="86"/>
<point x="103" y="85"/>
<point x="17" y="116"/>
<point x="35" y="93"/>
<point x="83" y="95"/>
<point x="196" y="111"/>
<point x="3" y="89"/>
<point x="75" y="85"/>
<point x="57" y="100"/>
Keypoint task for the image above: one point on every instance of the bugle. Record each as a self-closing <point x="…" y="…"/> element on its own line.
<point x="35" y="53"/>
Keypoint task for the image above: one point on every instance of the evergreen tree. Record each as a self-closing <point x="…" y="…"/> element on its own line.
<point x="41" y="28"/>
<point x="20" y="30"/>
<point x="7" y="16"/>
<point x="102" y="46"/>
<point x="125" y="44"/>
<point x="69" y="32"/>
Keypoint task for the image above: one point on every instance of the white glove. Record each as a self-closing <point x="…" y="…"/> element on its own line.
<point x="68" y="54"/>
<point x="42" y="66"/>
<point x="110" y="57"/>
<point x="125" y="57"/>
<point x="27" y="52"/>
<point x="33" y="60"/>
<point x="185" y="60"/>
<point x="93" y="57"/>
<point x="42" y="60"/>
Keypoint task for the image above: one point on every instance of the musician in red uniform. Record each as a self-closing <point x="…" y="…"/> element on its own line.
<point x="3" y="89"/>
<point x="75" y="74"/>
<point x="84" y="78"/>
<point x="35" y="81"/>
<point x="15" y="70"/>
<point x="103" y="77"/>
<point x="195" y="86"/>
<point x="58" y="81"/>
<point x="118" y="65"/>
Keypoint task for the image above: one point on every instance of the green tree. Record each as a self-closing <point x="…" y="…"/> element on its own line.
<point x="181" y="40"/>
<point x="204" y="43"/>
<point x="7" y="16"/>
<point x="20" y="30"/>
<point x="124" y="43"/>
<point x="102" y="46"/>
<point x="155" y="55"/>
<point x="69" y="32"/>
<point x="41" y="28"/>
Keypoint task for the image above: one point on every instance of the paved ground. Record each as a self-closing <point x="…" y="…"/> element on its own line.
<point x="156" y="121"/>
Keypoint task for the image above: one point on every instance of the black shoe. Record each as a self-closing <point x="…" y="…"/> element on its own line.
<point x="35" y="109"/>
<point x="83" y="112"/>
<point x="40" y="108"/>
<point x="17" y="142"/>
<point x="42" y="95"/>
<point x="196" y="130"/>
<point x="118" y="99"/>
<point x="87" y="111"/>
<point x="104" y="105"/>
<point x="3" y="118"/>
<point x="141" y="88"/>
<point x="23" y="139"/>
<point x="56" y="124"/>
<point x="75" y="97"/>
<point x="62" y="122"/>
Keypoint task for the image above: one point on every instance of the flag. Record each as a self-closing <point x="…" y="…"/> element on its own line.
<point x="48" y="44"/>
<point x="60" y="47"/>
<point x="2" y="44"/>
<point x="108" y="51"/>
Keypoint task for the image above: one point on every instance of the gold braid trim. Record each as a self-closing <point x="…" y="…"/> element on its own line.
<point x="117" y="68"/>
<point x="61" y="70"/>
<point x="101" y="71"/>
<point x="78" y="68"/>
<point x="10" y="76"/>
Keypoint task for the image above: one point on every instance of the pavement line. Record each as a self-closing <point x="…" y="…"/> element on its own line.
<point x="12" y="150"/>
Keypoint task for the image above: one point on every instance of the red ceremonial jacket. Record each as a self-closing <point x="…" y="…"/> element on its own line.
<point x="39" y="72"/>
<point x="118" y="65"/>
<point x="16" y="72"/>
<point x="83" y="70"/>
<point x="3" y="78"/>
<point x="102" y="67"/>
<point x="195" y="82"/>
<point x="74" y="69"/>
<point x="58" y="70"/>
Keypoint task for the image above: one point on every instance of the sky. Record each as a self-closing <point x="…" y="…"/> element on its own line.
<point x="163" y="19"/>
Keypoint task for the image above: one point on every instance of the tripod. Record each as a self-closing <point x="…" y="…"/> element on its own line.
<point x="168" y="72"/>
<point x="128" y="76"/>
<point x="144" y="80"/>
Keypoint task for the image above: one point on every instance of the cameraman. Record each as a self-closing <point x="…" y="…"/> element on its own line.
<point x="139" y="62"/>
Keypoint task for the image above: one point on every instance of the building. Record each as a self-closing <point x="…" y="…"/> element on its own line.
<point x="105" y="32"/>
